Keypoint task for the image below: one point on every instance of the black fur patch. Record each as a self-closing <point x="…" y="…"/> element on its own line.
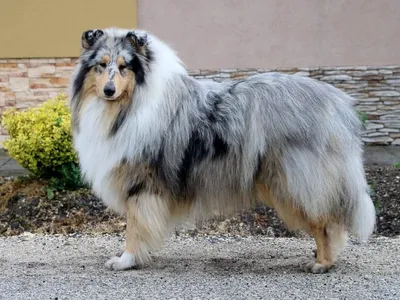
<point x="90" y="37"/>
<point x="81" y="76"/>
<point x="196" y="151"/>
<point x="220" y="147"/>
<point x="123" y="113"/>
<point x="259" y="167"/>
<point x="80" y="80"/>
<point x="135" y="189"/>
<point x="137" y="67"/>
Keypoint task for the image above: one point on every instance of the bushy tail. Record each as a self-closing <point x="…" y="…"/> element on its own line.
<point x="363" y="217"/>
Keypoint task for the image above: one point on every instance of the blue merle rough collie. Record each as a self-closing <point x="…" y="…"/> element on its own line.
<point x="160" y="146"/>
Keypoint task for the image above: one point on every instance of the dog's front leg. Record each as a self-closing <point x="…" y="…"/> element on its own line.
<point x="146" y="226"/>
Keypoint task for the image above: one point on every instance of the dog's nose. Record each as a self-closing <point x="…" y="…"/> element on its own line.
<point x="109" y="89"/>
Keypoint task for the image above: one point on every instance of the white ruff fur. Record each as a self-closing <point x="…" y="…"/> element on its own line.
<point x="99" y="154"/>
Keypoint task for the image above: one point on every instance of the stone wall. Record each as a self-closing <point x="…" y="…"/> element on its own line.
<point x="26" y="83"/>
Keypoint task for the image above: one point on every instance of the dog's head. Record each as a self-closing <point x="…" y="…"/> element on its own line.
<point x="113" y="62"/>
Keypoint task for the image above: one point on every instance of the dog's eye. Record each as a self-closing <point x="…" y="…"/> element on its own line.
<point x="122" y="67"/>
<point x="103" y="65"/>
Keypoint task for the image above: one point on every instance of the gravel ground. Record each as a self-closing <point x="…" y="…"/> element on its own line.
<point x="72" y="267"/>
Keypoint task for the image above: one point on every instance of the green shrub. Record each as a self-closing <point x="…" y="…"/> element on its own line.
<point x="40" y="140"/>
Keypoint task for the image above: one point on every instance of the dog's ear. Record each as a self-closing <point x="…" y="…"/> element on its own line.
<point x="89" y="37"/>
<point x="138" y="41"/>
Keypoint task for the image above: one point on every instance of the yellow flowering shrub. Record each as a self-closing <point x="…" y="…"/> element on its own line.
<point x="40" y="137"/>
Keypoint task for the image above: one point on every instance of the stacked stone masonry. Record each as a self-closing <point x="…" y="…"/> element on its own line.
<point x="28" y="82"/>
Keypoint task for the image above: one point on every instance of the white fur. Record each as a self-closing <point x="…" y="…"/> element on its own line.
<point x="364" y="218"/>
<point x="124" y="262"/>
<point x="362" y="215"/>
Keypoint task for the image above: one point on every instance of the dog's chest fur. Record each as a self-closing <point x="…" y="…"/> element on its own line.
<point x="98" y="153"/>
<point x="113" y="163"/>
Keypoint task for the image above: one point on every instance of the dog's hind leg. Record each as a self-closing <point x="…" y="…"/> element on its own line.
<point x="146" y="227"/>
<point x="330" y="237"/>
<point x="330" y="241"/>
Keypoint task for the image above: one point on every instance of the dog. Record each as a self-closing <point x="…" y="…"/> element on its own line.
<point x="160" y="147"/>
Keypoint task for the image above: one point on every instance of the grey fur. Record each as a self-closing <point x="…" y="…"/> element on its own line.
<point x="308" y="128"/>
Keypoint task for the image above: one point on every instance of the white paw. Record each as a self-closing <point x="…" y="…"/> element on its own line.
<point x="124" y="262"/>
<point x="316" y="268"/>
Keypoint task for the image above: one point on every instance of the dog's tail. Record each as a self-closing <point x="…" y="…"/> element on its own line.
<point x="361" y="217"/>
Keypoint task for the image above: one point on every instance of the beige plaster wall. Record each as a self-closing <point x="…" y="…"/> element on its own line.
<point x="211" y="34"/>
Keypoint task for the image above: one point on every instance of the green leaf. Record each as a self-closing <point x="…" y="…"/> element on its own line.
<point x="50" y="193"/>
